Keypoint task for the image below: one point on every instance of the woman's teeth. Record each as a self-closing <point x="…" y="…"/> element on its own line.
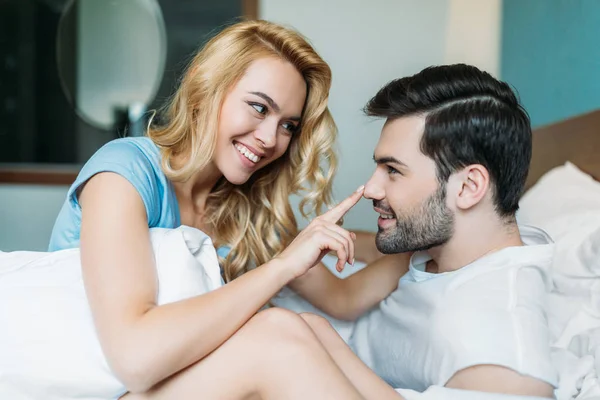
<point x="247" y="153"/>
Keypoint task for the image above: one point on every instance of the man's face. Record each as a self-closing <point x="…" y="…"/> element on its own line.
<point x="406" y="192"/>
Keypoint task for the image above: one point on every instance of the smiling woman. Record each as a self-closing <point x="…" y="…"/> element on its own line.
<point x="268" y="101"/>
<point x="248" y="126"/>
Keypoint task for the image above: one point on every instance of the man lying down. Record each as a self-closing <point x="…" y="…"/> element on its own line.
<point x="468" y="310"/>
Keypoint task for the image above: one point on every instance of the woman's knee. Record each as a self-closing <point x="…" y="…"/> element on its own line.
<point x="316" y="322"/>
<point x="278" y="324"/>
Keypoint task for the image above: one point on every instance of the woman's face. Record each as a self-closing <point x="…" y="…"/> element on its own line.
<point x="258" y="118"/>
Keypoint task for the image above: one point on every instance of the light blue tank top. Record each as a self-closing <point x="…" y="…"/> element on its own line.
<point x="137" y="160"/>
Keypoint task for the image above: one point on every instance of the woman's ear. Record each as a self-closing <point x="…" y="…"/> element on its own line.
<point x="474" y="183"/>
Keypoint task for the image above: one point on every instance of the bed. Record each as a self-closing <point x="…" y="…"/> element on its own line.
<point x="563" y="198"/>
<point x="576" y="140"/>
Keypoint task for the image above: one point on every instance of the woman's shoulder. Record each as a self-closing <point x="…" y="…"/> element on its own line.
<point x="131" y="155"/>
<point x="137" y="159"/>
<point x="128" y="148"/>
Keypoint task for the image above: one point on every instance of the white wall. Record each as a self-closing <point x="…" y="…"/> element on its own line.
<point x="473" y="33"/>
<point x="27" y="214"/>
<point x="367" y="44"/>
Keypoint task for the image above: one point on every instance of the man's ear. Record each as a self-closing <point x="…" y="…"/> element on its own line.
<point x="474" y="181"/>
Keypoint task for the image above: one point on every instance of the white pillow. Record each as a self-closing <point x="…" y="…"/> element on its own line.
<point x="48" y="344"/>
<point x="565" y="202"/>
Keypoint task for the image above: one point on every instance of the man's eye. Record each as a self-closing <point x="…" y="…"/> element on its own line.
<point x="392" y="170"/>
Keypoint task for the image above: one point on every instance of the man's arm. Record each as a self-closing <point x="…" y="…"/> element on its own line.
<point x="497" y="379"/>
<point x="347" y="299"/>
<point x="365" y="249"/>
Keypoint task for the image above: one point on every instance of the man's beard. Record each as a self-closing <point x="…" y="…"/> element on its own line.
<point x="431" y="225"/>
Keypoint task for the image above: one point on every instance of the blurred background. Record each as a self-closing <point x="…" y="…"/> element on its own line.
<point x="75" y="74"/>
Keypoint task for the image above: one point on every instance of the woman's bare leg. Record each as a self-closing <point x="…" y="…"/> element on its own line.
<point x="273" y="356"/>
<point x="362" y="377"/>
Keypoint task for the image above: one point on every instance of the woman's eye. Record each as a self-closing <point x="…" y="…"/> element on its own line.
<point x="261" y="109"/>
<point x="291" y="128"/>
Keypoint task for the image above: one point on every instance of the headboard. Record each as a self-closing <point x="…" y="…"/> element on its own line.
<point x="576" y="139"/>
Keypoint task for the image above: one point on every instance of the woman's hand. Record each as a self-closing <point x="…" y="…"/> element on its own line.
<point x="321" y="236"/>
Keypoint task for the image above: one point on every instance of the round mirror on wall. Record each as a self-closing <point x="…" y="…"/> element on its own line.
<point x="111" y="58"/>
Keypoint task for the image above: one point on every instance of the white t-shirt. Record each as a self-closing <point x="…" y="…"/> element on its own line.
<point x="488" y="312"/>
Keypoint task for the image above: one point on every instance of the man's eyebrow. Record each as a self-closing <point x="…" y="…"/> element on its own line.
<point x="273" y="104"/>
<point x="388" y="160"/>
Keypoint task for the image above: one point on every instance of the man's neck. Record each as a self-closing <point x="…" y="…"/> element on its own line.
<point x="473" y="240"/>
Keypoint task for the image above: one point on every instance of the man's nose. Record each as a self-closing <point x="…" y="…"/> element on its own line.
<point x="374" y="190"/>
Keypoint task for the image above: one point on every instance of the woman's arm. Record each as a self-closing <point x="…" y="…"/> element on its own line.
<point x="145" y="343"/>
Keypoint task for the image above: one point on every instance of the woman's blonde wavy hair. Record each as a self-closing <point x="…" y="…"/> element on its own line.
<point x="254" y="219"/>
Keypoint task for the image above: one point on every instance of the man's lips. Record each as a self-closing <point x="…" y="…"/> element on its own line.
<point x="382" y="211"/>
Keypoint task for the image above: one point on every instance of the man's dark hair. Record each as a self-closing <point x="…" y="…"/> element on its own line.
<point x="470" y="118"/>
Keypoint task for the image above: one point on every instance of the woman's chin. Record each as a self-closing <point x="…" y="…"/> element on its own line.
<point x="237" y="179"/>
